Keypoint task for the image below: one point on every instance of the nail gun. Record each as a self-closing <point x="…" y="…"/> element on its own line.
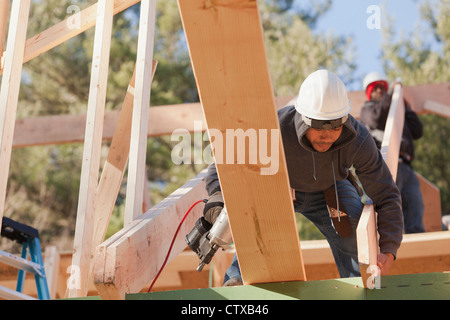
<point x="205" y="239"/>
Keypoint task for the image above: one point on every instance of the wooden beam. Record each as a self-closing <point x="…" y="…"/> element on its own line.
<point x="367" y="238"/>
<point x="368" y="249"/>
<point x="9" y="91"/>
<point x="437" y="108"/>
<point x="65" y="30"/>
<point x="92" y="146"/>
<point x="163" y="120"/>
<point x="59" y="129"/>
<point x="113" y="170"/>
<point x="227" y="51"/>
<point x="139" y="129"/>
<point x="132" y="257"/>
<point x="390" y="146"/>
<point x="51" y="265"/>
<point x="4" y="13"/>
<point x="417" y="95"/>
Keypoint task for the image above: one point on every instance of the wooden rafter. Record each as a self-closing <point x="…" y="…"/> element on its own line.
<point x="9" y="91"/>
<point x="367" y="236"/>
<point x="139" y="129"/>
<point x="64" y="30"/>
<point x="91" y="155"/>
<point x="227" y="51"/>
<point x="113" y="170"/>
<point x="163" y="120"/>
<point x="437" y="108"/>
<point x="4" y="13"/>
<point x="132" y="257"/>
<point x="390" y="146"/>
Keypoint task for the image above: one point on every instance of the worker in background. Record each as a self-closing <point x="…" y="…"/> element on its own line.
<point x="321" y="142"/>
<point x="374" y="114"/>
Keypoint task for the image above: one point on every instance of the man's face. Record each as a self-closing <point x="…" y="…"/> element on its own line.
<point x="378" y="92"/>
<point x="322" y="140"/>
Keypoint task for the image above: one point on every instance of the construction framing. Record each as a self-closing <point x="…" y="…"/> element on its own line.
<point x="128" y="260"/>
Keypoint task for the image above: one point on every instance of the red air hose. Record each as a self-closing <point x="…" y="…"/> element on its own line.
<point x="171" y="245"/>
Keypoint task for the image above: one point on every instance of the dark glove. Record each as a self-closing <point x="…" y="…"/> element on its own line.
<point x="213" y="207"/>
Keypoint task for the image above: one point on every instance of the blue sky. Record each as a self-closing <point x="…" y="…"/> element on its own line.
<point x="349" y="18"/>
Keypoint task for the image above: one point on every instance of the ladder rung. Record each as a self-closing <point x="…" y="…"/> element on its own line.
<point x="20" y="263"/>
<point x="10" y="294"/>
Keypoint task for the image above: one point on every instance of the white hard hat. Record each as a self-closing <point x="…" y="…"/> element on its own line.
<point x="323" y="96"/>
<point x="374" y="77"/>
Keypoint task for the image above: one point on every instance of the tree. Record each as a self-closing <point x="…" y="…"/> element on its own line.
<point x="294" y="51"/>
<point x="420" y="58"/>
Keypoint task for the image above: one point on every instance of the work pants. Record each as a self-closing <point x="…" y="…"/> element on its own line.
<point x="313" y="206"/>
<point x="412" y="201"/>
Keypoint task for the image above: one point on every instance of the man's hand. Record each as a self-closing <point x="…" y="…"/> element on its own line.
<point x="384" y="262"/>
<point x="213" y="207"/>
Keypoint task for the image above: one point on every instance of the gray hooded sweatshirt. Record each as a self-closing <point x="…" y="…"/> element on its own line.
<point x="312" y="171"/>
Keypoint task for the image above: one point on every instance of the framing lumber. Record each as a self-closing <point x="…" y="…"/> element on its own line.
<point x="163" y="120"/>
<point x="368" y="248"/>
<point x="9" y="91"/>
<point x="227" y="51"/>
<point x="438" y="108"/>
<point x="139" y="128"/>
<point x="59" y="129"/>
<point x="132" y="257"/>
<point x="4" y="13"/>
<point x="418" y="95"/>
<point x="390" y="146"/>
<point x="91" y="154"/>
<point x="113" y="170"/>
<point x="367" y="238"/>
<point x="64" y="30"/>
<point x="51" y="266"/>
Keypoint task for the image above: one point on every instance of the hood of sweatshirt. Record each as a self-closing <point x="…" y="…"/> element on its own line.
<point x="309" y="170"/>
<point x="348" y="134"/>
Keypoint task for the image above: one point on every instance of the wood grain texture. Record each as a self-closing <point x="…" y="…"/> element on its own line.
<point x="228" y="56"/>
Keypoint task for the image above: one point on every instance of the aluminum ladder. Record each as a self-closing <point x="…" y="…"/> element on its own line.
<point x="29" y="238"/>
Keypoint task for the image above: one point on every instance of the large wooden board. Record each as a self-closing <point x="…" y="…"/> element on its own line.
<point x="390" y="146"/>
<point x="9" y="91"/>
<point x="226" y="45"/>
<point x="132" y="257"/>
<point x="91" y="154"/>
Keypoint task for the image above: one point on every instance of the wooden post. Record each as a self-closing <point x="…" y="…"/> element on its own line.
<point x="91" y="154"/>
<point x="227" y="51"/>
<point x="368" y="249"/>
<point x="4" y="13"/>
<point x="113" y="170"/>
<point x="9" y="91"/>
<point x="438" y="108"/>
<point x="390" y="146"/>
<point x="367" y="238"/>
<point x="138" y="147"/>
<point x="132" y="257"/>
<point x="51" y="264"/>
